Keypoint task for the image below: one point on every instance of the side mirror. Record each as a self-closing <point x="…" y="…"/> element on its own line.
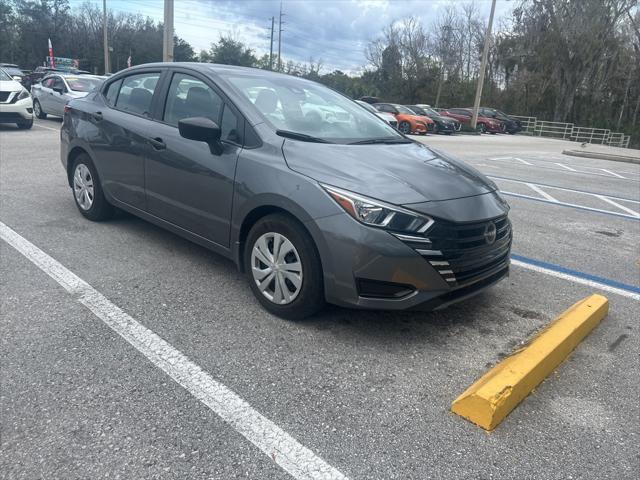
<point x="201" y="129"/>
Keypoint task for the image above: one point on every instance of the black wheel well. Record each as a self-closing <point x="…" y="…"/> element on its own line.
<point x="250" y="220"/>
<point x="71" y="158"/>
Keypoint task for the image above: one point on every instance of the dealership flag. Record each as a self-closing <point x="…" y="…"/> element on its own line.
<point x="51" y="64"/>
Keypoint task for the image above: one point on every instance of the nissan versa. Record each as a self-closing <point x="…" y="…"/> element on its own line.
<point x="339" y="208"/>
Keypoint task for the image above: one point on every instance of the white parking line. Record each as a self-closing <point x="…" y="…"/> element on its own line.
<point x="565" y="167"/>
<point x="538" y="190"/>
<point x="616" y="204"/>
<point x="612" y="173"/>
<point x="523" y="161"/>
<point x="278" y="445"/>
<point x="48" y="128"/>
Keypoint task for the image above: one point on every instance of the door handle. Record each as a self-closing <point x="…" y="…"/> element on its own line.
<point x="157" y="143"/>
<point x="97" y="116"/>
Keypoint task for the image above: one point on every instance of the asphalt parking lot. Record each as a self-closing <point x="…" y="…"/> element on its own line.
<point x="367" y="393"/>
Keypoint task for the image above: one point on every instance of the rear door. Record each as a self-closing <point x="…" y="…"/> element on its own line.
<point x="124" y="129"/>
<point x="44" y="93"/>
<point x="58" y="100"/>
<point x="186" y="184"/>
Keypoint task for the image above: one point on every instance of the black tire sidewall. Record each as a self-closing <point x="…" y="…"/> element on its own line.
<point x="100" y="208"/>
<point x="40" y="115"/>
<point x="25" y="125"/>
<point x="310" y="299"/>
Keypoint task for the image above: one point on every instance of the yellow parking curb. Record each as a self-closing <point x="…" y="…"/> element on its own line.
<point x="492" y="397"/>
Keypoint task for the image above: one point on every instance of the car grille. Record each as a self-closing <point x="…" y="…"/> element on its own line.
<point x="461" y="253"/>
<point x="4" y="96"/>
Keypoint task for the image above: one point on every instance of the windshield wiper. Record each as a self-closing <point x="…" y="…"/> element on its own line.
<point x="301" y="136"/>
<point x="371" y="141"/>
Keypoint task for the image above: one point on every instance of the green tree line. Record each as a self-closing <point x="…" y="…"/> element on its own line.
<point x="563" y="60"/>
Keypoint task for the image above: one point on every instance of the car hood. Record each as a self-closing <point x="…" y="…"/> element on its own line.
<point x="10" y="86"/>
<point x="396" y="173"/>
<point x="442" y="118"/>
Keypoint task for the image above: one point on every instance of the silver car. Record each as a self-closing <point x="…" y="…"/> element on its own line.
<point x="52" y="94"/>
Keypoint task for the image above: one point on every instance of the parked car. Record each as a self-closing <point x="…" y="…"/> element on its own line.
<point x="52" y="94"/>
<point x="447" y="125"/>
<point x="408" y="121"/>
<point x="512" y="125"/>
<point x="483" y="125"/>
<point x="355" y="214"/>
<point x="14" y="71"/>
<point x="15" y="102"/>
<point x="387" y="117"/>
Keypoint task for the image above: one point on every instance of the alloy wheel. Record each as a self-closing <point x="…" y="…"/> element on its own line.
<point x="276" y="268"/>
<point x="83" y="186"/>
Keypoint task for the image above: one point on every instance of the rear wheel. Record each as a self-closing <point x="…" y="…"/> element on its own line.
<point x="25" y="125"/>
<point x="284" y="268"/>
<point x="87" y="191"/>
<point x="404" y="127"/>
<point x="37" y="109"/>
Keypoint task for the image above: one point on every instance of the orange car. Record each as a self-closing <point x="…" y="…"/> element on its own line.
<point x="408" y="122"/>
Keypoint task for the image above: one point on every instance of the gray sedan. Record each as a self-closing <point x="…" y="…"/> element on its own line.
<point x="52" y="94"/>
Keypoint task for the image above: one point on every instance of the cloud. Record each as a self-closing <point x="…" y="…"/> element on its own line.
<point x="336" y="31"/>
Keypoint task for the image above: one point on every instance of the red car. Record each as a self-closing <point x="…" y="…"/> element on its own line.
<point x="483" y="125"/>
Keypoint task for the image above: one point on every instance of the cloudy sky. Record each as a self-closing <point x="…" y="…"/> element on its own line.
<point x="335" y="31"/>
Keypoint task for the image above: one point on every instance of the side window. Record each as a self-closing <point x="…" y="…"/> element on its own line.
<point x="190" y="97"/>
<point x="136" y="93"/>
<point x="229" y="126"/>
<point x="48" y="82"/>
<point x="111" y="92"/>
<point x="58" y="83"/>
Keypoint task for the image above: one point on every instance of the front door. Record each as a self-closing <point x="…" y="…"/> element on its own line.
<point x="186" y="184"/>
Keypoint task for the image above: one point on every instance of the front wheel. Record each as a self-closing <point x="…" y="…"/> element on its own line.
<point x="283" y="268"/>
<point x="37" y="109"/>
<point x="404" y="127"/>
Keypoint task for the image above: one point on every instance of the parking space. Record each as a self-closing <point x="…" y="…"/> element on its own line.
<point x="362" y="394"/>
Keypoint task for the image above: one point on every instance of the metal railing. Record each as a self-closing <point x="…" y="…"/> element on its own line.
<point x="553" y="129"/>
<point x="568" y="131"/>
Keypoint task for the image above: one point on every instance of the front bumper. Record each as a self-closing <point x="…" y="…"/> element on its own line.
<point x="370" y="268"/>
<point x="20" y="111"/>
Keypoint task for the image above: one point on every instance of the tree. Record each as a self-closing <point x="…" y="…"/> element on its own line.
<point x="229" y="51"/>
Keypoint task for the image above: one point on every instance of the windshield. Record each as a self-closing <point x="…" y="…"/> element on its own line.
<point x="83" y="84"/>
<point x="368" y="106"/>
<point x="418" y="110"/>
<point x="4" y="76"/>
<point x="304" y="107"/>
<point x="16" y="72"/>
<point x="403" y="109"/>
<point x="431" y="111"/>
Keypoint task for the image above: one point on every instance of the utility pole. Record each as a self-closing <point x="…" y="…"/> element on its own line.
<point x="483" y="66"/>
<point x="273" y="21"/>
<point x="105" y="39"/>
<point x="167" y="47"/>
<point x="280" y="22"/>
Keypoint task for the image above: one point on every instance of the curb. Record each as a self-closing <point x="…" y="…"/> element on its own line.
<point x="492" y="397"/>
<point x="602" y="156"/>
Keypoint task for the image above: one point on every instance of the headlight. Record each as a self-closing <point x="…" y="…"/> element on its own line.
<point x="23" y="94"/>
<point x="379" y="214"/>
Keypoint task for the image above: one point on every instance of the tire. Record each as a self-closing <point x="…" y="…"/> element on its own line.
<point x="305" y="299"/>
<point x="26" y="125"/>
<point x="37" y="109"/>
<point x="482" y="128"/>
<point x="87" y="191"/>
<point x="404" y="127"/>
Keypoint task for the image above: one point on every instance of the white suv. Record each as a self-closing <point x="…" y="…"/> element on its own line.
<point x="16" y="105"/>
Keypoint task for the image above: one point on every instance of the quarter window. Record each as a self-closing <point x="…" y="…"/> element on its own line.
<point x="112" y="92"/>
<point x="136" y="93"/>
<point x="190" y="97"/>
<point x="229" y="126"/>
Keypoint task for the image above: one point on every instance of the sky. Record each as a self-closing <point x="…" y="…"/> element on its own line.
<point x="334" y="31"/>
